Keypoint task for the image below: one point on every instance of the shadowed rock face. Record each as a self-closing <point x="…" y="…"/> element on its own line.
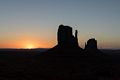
<point x="67" y="43"/>
<point x="66" y="38"/>
<point x="91" y="47"/>
<point x="91" y="44"/>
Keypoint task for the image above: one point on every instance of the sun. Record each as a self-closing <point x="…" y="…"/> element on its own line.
<point x="30" y="46"/>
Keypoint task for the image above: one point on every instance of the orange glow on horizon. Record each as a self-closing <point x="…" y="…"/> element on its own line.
<point x="33" y="42"/>
<point x="30" y="46"/>
<point x="27" y="44"/>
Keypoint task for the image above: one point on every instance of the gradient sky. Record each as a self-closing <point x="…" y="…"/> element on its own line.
<point x="35" y="22"/>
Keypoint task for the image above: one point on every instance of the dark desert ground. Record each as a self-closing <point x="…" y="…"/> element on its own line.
<point x="66" y="61"/>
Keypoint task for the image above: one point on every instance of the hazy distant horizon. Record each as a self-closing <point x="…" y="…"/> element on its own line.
<point x="34" y="23"/>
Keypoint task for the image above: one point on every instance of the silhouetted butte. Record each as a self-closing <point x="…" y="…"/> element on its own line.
<point x="67" y="42"/>
<point x="91" y="47"/>
<point x="66" y="37"/>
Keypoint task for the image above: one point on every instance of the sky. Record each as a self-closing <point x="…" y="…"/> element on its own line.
<point x="34" y="23"/>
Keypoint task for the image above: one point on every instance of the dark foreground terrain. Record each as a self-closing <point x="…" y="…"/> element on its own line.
<point x="33" y="65"/>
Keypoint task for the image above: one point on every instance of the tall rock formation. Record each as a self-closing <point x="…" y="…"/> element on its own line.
<point x="67" y="43"/>
<point x="65" y="37"/>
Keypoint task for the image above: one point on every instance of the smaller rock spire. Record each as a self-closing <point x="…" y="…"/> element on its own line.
<point x="76" y="37"/>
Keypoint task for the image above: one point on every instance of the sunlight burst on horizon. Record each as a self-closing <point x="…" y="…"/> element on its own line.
<point x="30" y="46"/>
